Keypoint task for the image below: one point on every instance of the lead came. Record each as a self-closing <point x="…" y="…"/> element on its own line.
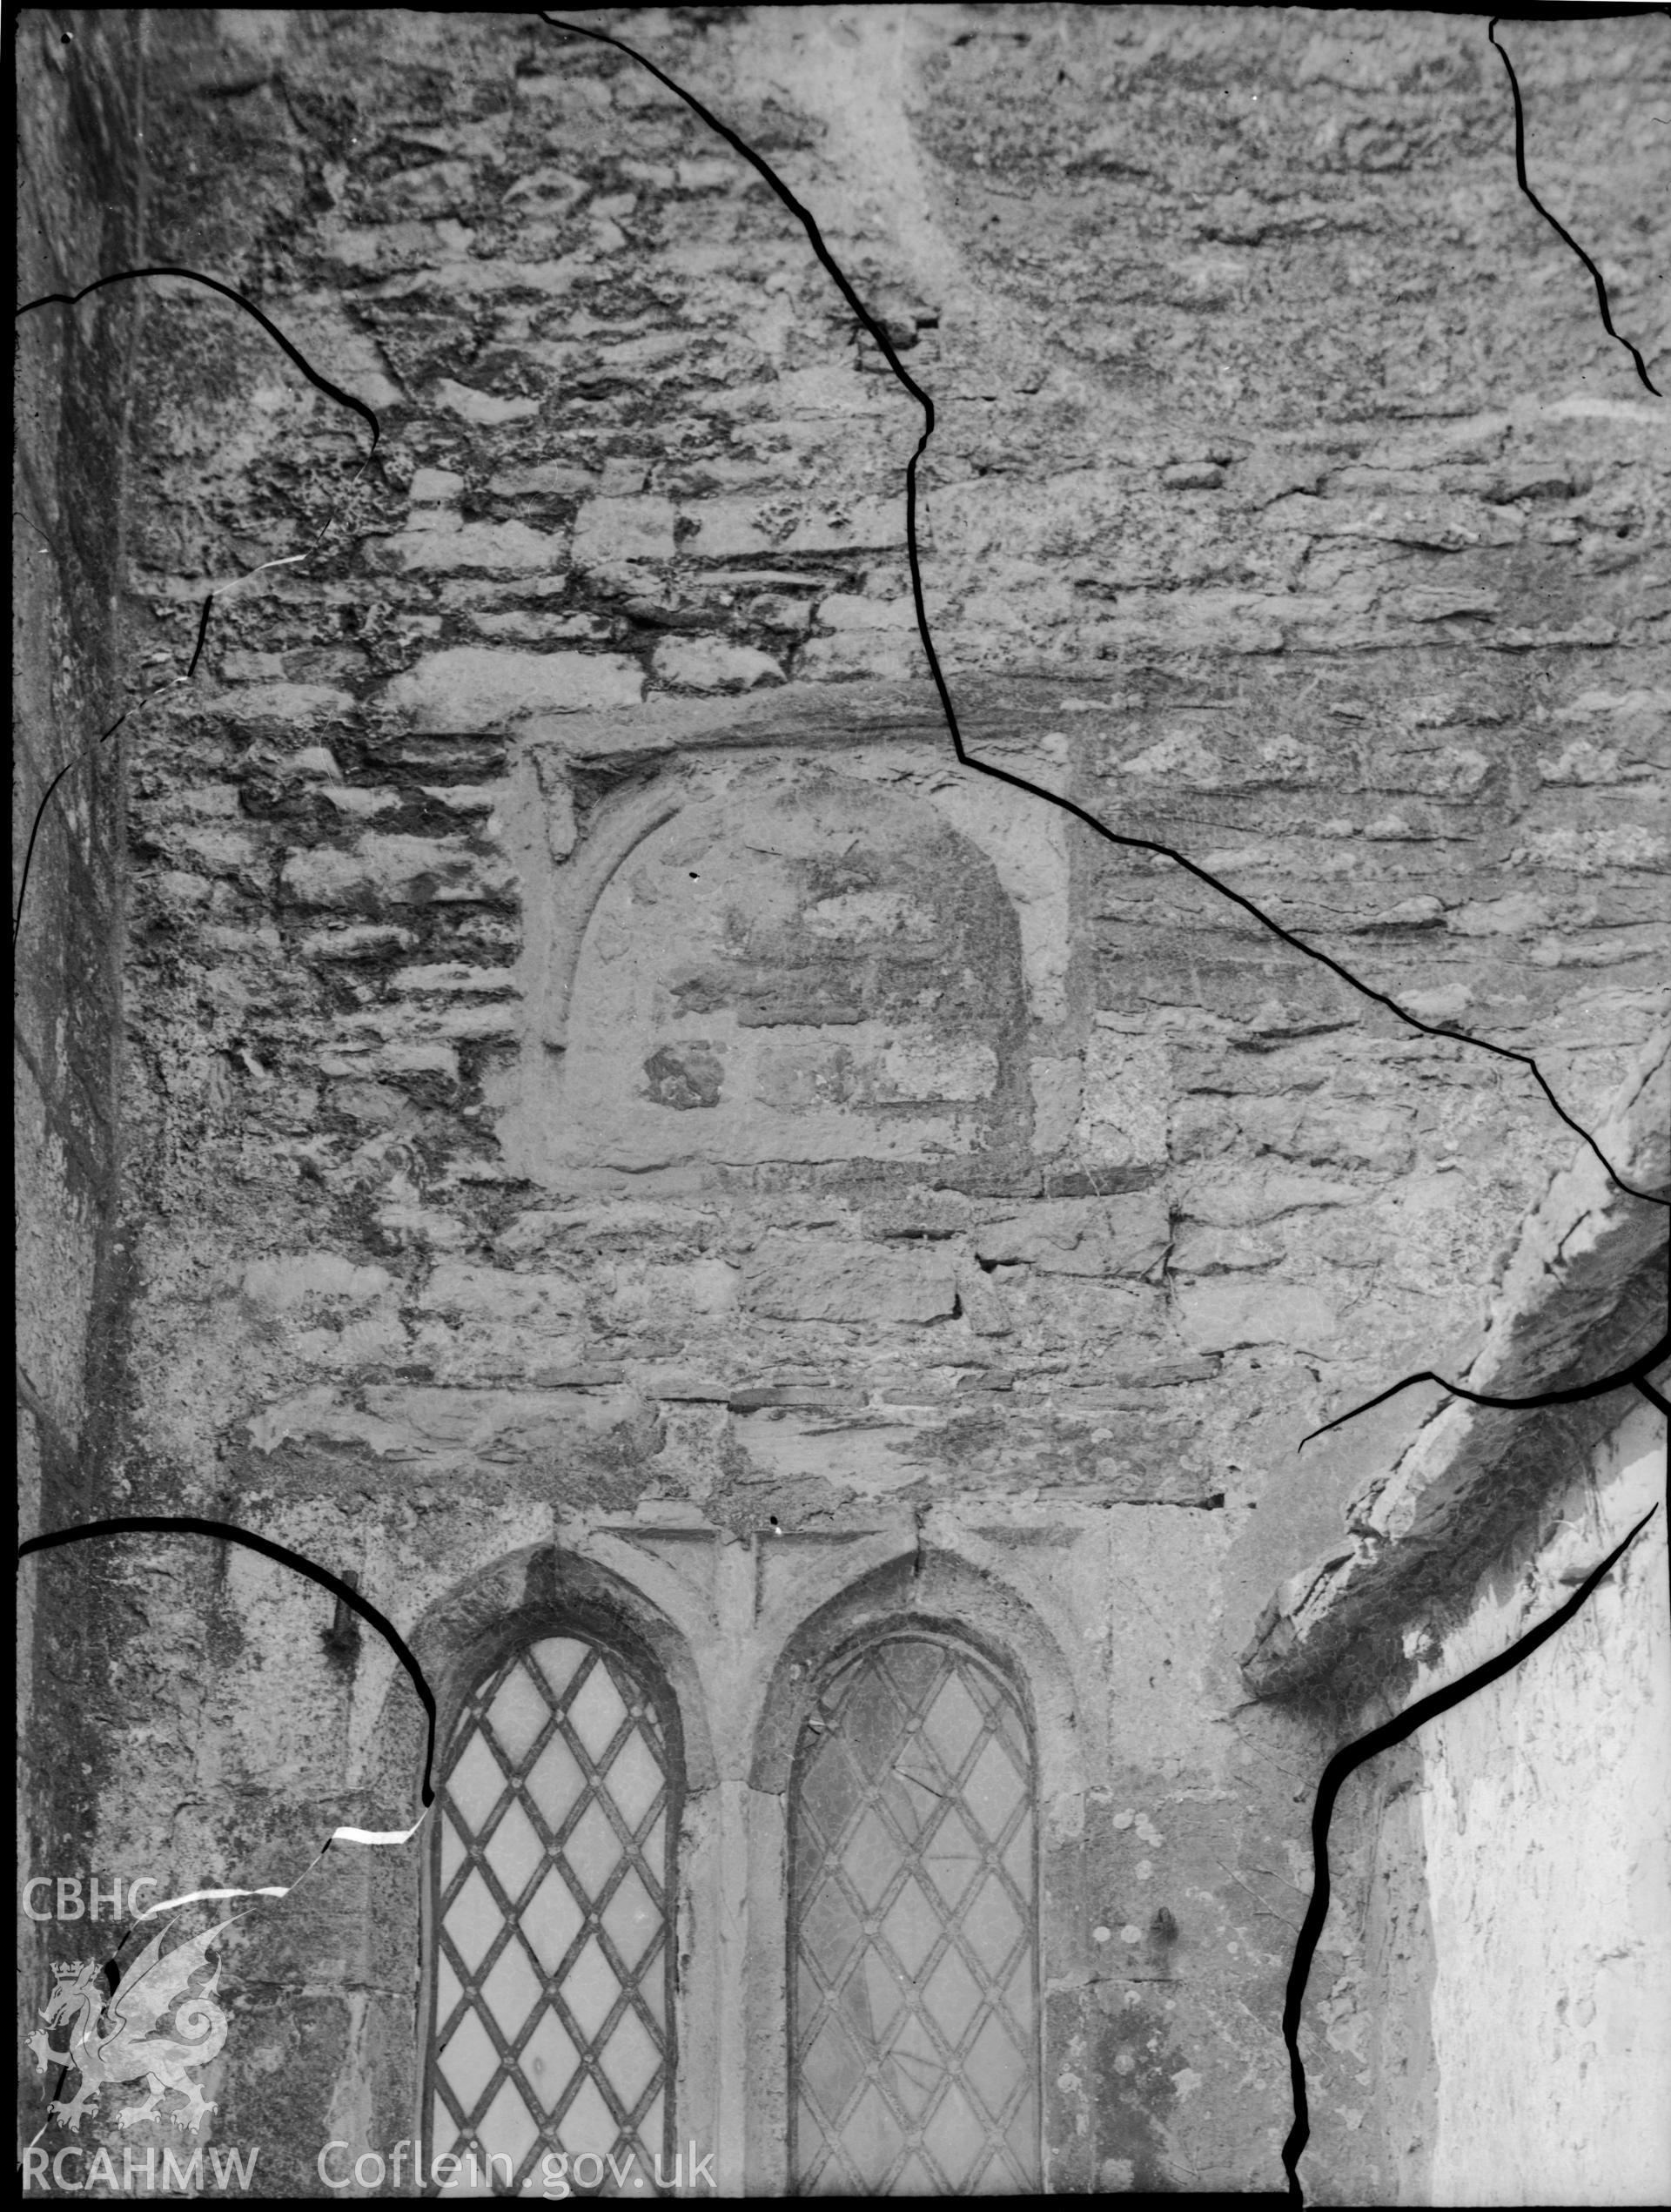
<point x="914" y="2063"/>
<point x="552" y="1872"/>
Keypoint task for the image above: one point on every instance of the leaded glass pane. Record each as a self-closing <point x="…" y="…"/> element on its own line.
<point x="914" y="1931"/>
<point x="517" y="1714"/>
<point x="514" y="1852"/>
<point x="552" y="1958"/>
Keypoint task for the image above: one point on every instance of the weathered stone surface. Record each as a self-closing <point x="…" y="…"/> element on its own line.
<point x="1579" y="1976"/>
<point x="1122" y="1118"/>
<point x="748" y="1209"/>
<point x="718" y="989"/>
<point x="446" y="546"/>
<point x="609" y="530"/>
<point x="302" y="1278"/>
<point x="289" y="706"/>
<point x="1582" y="1294"/>
<point x="467" y="687"/>
<point x="788" y="1281"/>
<point x="442" y="1430"/>
<point x="1220" y="1317"/>
<point x="481" y="408"/>
<point x="396" y="871"/>
<point x="1057" y="1087"/>
<point x="705" y="664"/>
<point x="492" y="1294"/>
<point x="79" y="164"/>
<point x="1118" y="1236"/>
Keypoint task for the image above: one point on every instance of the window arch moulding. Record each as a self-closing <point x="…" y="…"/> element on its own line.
<point x="926" y="2016"/>
<point x="552" y="1913"/>
<point x="913" y="1941"/>
<point x="550" y="1928"/>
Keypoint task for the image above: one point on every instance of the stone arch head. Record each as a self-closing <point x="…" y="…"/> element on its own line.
<point x="933" y="1591"/>
<point x="796" y="965"/>
<point x="544" y="1591"/>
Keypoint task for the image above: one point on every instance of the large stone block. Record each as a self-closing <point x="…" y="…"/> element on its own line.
<point x="291" y="706"/>
<point x="396" y="871"/>
<point x="786" y="1280"/>
<point x="473" y="687"/>
<point x="868" y="525"/>
<point x="1127" y="1091"/>
<point x="926" y="1068"/>
<point x="848" y="610"/>
<point x="1057" y="1087"/>
<point x="726" y="528"/>
<point x="711" y="664"/>
<point x="496" y="1295"/>
<point x="1117" y="1236"/>
<point x="1222" y="1316"/>
<point x="443" y="544"/>
<point x="608" y="531"/>
<point x="449" y="1429"/>
<point x="290" y="1280"/>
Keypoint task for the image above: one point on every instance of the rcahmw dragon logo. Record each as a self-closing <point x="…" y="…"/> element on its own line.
<point x="124" y="2041"/>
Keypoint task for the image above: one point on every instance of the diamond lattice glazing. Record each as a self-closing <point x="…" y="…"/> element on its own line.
<point x="553" y="1882"/>
<point x="913" y="1931"/>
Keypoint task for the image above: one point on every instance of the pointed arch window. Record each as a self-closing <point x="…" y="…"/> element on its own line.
<point x="552" y="1957"/>
<point x="914" y="1928"/>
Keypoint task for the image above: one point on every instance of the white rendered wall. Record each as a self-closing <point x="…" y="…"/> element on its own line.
<point x="1547" y="1820"/>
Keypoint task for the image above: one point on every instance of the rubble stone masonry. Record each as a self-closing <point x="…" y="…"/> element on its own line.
<point x="79" y="208"/>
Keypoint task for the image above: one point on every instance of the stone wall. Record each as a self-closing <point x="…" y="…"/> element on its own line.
<point x="79" y="203"/>
<point x="603" y="1076"/>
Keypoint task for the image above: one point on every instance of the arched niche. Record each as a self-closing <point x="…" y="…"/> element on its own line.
<point x="803" y="966"/>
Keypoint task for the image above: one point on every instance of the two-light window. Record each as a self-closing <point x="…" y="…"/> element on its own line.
<point x="912" y="1956"/>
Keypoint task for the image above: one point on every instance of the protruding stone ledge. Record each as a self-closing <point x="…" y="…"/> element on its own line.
<point x="1583" y="1297"/>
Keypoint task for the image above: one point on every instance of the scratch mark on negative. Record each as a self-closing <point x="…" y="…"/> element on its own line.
<point x="1574" y="1393"/>
<point x="322" y="383"/>
<point x="213" y="283"/>
<point x="1352" y="1755"/>
<point x="907" y="383"/>
<point x="1560" y="229"/>
<point x="345" y="1592"/>
<point x="1346" y="1762"/>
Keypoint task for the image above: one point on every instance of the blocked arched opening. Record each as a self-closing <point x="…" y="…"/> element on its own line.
<point x="786" y="964"/>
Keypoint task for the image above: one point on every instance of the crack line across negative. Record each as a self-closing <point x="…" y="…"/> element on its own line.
<point x="909" y="384"/>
